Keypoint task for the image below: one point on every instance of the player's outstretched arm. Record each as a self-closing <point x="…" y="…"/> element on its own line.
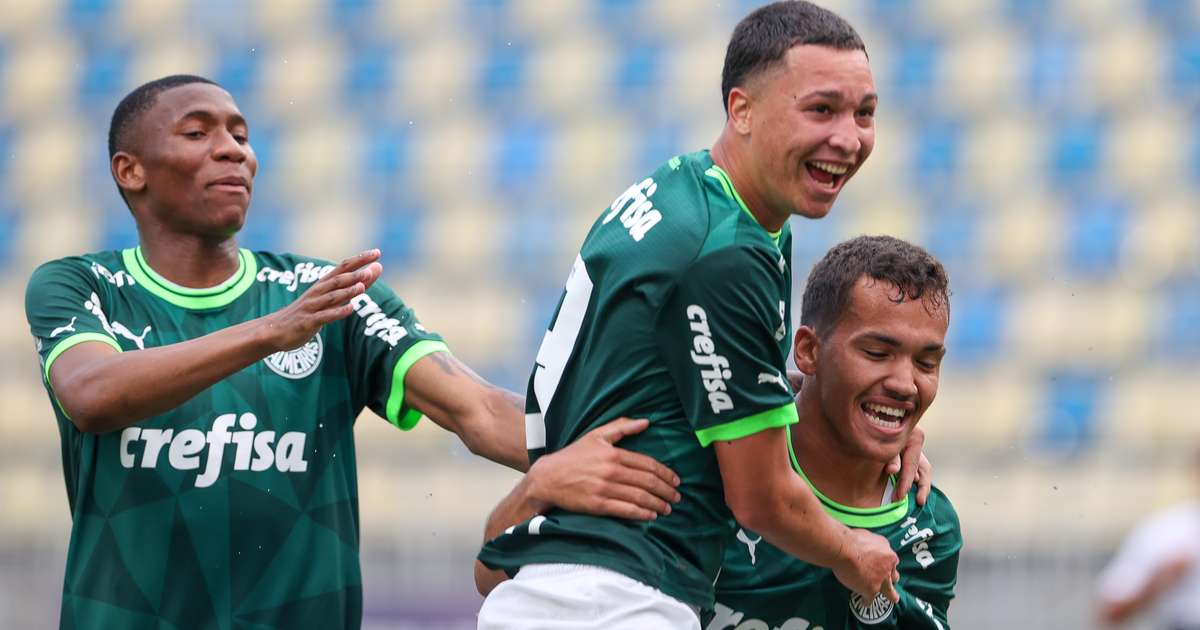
<point x="102" y="390"/>
<point x="592" y="476"/>
<point x="489" y="420"/>
<point x="766" y="496"/>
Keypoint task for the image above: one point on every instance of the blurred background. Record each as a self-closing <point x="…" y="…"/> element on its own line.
<point x="1048" y="152"/>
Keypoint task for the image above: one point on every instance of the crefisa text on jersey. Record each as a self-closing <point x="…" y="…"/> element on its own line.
<point x="704" y="354"/>
<point x="254" y="450"/>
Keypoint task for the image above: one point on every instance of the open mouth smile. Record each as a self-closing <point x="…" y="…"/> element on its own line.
<point x="885" y="417"/>
<point x="829" y="175"/>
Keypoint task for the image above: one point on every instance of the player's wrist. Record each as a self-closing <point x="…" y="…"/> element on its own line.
<point x="534" y="491"/>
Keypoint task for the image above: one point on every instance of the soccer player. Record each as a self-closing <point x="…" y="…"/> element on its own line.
<point x="206" y="395"/>
<point x="678" y="310"/>
<point x="871" y="341"/>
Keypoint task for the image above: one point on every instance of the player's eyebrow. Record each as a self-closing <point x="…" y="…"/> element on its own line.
<point x="895" y="343"/>
<point x="836" y="95"/>
<point x="209" y="117"/>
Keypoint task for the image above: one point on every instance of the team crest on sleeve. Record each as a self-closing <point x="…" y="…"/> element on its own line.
<point x="299" y="362"/>
<point x="870" y="612"/>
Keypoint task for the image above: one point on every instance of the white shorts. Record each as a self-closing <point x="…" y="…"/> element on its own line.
<point x="581" y="597"/>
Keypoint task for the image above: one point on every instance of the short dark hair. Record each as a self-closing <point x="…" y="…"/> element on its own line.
<point x="138" y="102"/>
<point x="913" y="272"/>
<point x="762" y="38"/>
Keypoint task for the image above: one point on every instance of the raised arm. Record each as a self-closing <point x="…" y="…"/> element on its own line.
<point x="766" y="496"/>
<point x="102" y="389"/>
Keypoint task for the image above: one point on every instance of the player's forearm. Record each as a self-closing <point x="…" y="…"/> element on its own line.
<point x="110" y="391"/>
<point x="504" y="434"/>
<point x="516" y="507"/>
<point x="789" y="516"/>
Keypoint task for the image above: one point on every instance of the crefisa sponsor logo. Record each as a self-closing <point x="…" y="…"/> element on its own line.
<point x="299" y="362"/>
<point x="870" y="612"/>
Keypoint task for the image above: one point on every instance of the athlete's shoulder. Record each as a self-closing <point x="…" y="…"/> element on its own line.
<point x="932" y="532"/>
<point x="939" y="509"/>
<point x="105" y="265"/>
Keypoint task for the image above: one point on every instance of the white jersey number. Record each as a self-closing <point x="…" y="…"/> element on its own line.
<point x="556" y="348"/>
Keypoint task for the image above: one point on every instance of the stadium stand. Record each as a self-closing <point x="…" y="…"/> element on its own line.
<point x="1048" y="152"/>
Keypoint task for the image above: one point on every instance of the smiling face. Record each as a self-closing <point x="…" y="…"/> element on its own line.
<point x="810" y="128"/>
<point x="191" y="168"/>
<point x="876" y="371"/>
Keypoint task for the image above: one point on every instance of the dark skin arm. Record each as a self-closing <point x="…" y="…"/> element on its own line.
<point x="103" y="390"/>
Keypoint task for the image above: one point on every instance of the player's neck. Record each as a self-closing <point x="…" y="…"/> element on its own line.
<point x="838" y="473"/>
<point x="728" y="152"/>
<point x="190" y="261"/>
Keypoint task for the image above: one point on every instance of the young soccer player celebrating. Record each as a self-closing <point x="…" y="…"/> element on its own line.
<point x="677" y="309"/>
<point x="206" y="396"/>
<point x="873" y="328"/>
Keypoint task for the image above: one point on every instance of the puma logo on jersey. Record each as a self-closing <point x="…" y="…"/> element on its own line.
<point x="114" y="327"/>
<point x="254" y="450"/>
<point x="118" y="279"/>
<point x="378" y="323"/>
<point x="302" y="273"/>
<point x="704" y="354"/>
<point x="750" y="544"/>
<point x="768" y="377"/>
<point x="70" y="327"/>
<point x="637" y="211"/>
<point x="726" y="618"/>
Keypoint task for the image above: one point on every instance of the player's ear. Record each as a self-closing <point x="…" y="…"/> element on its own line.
<point x="805" y="349"/>
<point x="739" y="109"/>
<point x="128" y="172"/>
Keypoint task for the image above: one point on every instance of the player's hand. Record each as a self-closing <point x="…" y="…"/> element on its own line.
<point x="594" y="477"/>
<point x="868" y="565"/>
<point x="327" y="300"/>
<point x="913" y="466"/>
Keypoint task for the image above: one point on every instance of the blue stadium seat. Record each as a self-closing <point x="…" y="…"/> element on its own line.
<point x="937" y="147"/>
<point x="238" y="70"/>
<point x="1180" y="334"/>
<point x="913" y="72"/>
<point x="263" y="229"/>
<point x="520" y="156"/>
<point x="1075" y="149"/>
<point x="658" y="141"/>
<point x="952" y="232"/>
<point x="977" y="320"/>
<point x="1095" y="228"/>
<point x="639" y="68"/>
<point x="87" y="16"/>
<point x="103" y="79"/>
<point x="401" y="219"/>
<point x="386" y="150"/>
<point x="1185" y="63"/>
<point x="117" y="230"/>
<point x="503" y="72"/>
<point x="1068" y="423"/>
<point x="369" y="75"/>
<point x="1053" y="66"/>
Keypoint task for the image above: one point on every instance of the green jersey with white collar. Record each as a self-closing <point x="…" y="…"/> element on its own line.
<point x="238" y="508"/>
<point x="678" y="310"/>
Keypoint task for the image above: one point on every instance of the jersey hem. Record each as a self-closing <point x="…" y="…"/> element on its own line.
<point x="187" y="297"/>
<point x="737" y="429"/>
<point x="695" y="599"/>
<point x="395" y="401"/>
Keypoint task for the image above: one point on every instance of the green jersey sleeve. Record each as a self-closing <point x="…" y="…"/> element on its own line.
<point x="383" y="340"/>
<point x="929" y="567"/>
<point x="65" y="306"/>
<point x="720" y="336"/>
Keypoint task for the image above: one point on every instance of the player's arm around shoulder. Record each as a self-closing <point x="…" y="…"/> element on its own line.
<point x="929" y="552"/>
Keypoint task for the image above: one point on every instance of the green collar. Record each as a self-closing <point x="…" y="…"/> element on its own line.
<point x="719" y="174"/>
<point x="194" y="299"/>
<point x="852" y="516"/>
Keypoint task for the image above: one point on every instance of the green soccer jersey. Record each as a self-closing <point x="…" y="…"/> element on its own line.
<point x="763" y="588"/>
<point x="677" y="309"/>
<point x="237" y="509"/>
